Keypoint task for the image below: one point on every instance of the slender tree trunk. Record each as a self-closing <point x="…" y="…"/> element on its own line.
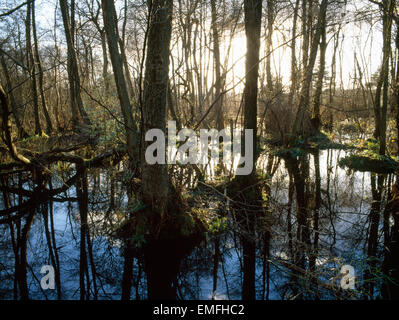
<point x="316" y="218"/>
<point x="54" y="245"/>
<point x="299" y="127"/>
<point x="390" y="289"/>
<point x="217" y="67"/>
<point x="305" y="36"/>
<point x="387" y="26"/>
<point x="316" y="119"/>
<point x="22" y="268"/>
<point x="14" y="109"/>
<point x="127" y="272"/>
<point x="117" y="66"/>
<point x="269" y="43"/>
<point x="51" y="249"/>
<point x="396" y="87"/>
<point x="372" y="241"/>
<point x="299" y="169"/>
<point x="39" y="69"/>
<point x="380" y="111"/>
<point x="72" y="68"/>
<point x="32" y="69"/>
<point x="216" y="261"/>
<point x="7" y="204"/>
<point x="105" y="59"/>
<point x="82" y="194"/>
<point x="333" y="78"/>
<point x="294" y="67"/>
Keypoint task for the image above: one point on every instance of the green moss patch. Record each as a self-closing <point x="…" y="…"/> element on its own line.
<point x="312" y="144"/>
<point x="367" y="163"/>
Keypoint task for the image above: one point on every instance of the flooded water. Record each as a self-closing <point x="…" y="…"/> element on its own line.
<point x="340" y="201"/>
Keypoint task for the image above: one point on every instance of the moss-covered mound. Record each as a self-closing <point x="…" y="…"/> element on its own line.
<point x="312" y="144"/>
<point x="321" y="141"/>
<point x="179" y="221"/>
<point x="367" y="163"/>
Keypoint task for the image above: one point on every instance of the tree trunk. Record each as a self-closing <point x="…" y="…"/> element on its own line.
<point x="155" y="181"/>
<point x="32" y="69"/>
<point x="38" y="64"/>
<point x="155" y="177"/>
<point x="302" y="116"/>
<point x="217" y="67"/>
<point x="111" y="30"/>
<point x="316" y="120"/>
<point x="253" y="13"/>
<point x="73" y="69"/>
<point x="372" y="241"/>
<point x="387" y="26"/>
<point x="294" y="67"/>
<point x="269" y="43"/>
<point x="14" y="109"/>
<point x="82" y="194"/>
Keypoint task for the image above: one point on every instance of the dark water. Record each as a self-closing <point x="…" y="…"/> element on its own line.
<point x="345" y="204"/>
